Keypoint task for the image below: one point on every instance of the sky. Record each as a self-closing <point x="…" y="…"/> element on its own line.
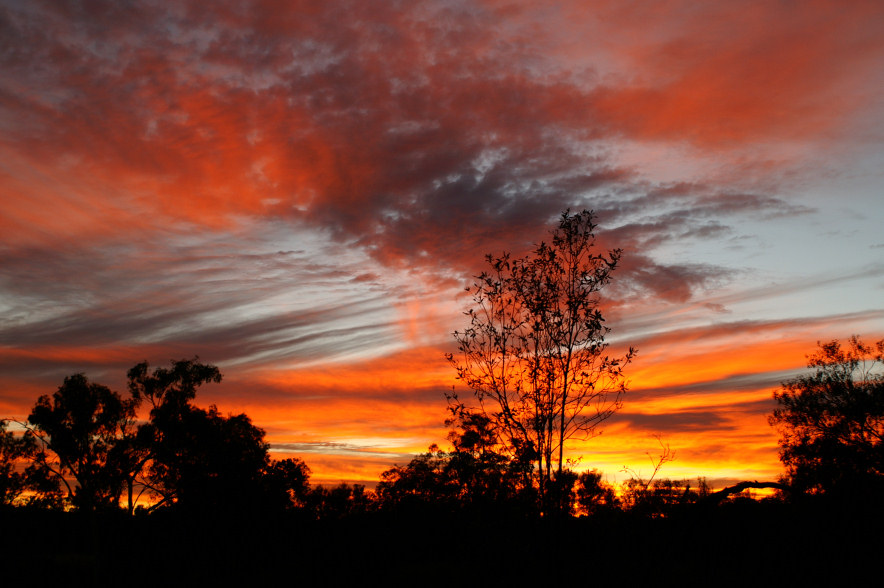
<point x="298" y="193"/>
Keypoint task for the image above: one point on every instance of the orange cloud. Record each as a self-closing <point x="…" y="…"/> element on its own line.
<point x="726" y="75"/>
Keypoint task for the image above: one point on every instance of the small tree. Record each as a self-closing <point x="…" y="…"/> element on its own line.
<point x="472" y="476"/>
<point x="207" y="461"/>
<point x="594" y="494"/>
<point x="291" y="478"/>
<point x="200" y="459"/>
<point x="423" y="484"/>
<point x="831" y="421"/>
<point x="535" y="353"/>
<point x="78" y="432"/>
<point x="338" y="502"/>
<point x="483" y="473"/>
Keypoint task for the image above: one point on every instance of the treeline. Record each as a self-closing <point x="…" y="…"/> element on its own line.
<point x="91" y="493"/>
<point x="83" y="448"/>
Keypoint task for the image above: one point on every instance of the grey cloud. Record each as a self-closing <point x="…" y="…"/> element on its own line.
<point x="344" y="449"/>
<point x="462" y="154"/>
<point x="641" y="277"/>
<point x="669" y="423"/>
<point x="651" y="323"/>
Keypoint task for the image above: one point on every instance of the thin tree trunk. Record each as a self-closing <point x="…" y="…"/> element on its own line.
<point x="129" y="490"/>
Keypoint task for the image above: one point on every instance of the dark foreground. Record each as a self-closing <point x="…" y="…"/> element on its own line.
<point x="736" y="543"/>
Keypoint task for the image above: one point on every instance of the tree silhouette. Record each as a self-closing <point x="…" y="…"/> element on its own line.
<point x="21" y="479"/>
<point x="208" y="461"/>
<point x="535" y="352"/>
<point x="423" y="483"/>
<point x="594" y="495"/>
<point x="170" y="388"/>
<point x="472" y="477"/>
<point x="169" y="392"/>
<point x="201" y="460"/>
<point x="13" y="449"/>
<point x="291" y="478"/>
<point x="831" y="421"/>
<point x="15" y="477"/>
<point x="78" y="432"/>
<point x="484" y="474"/>
<point x="338" y="502"/>
<point x="84" y="438"/>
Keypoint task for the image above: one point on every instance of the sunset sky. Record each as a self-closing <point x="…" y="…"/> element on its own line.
<point x="298" y="192"/>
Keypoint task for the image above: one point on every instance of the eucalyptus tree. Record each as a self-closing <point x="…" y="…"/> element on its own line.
<point x="79" y="433"/>
<point x="831" y="420"/>
<point x="200" y="459"/>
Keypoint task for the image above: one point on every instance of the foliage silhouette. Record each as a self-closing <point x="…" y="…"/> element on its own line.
<point x="13" y="449"/>
<point x="30" y="484"/>
<point x="158" y="444"/>
<point x="205" y="460"/>
<point x="593" y="495"/>
<point x="339" y="502"/>
<point x="292" y="476"/>
<point x="205" y="463"/>
<point x="79" y="433"/>
<point x="473" y="476"/>
<point x="170" y="388"/>
<point x="831" y="421"/>
<point x="661" y="497"/>
<point x="84" y="438"/>
<point x="201" y="460"/>
<point x="535" y="353"/>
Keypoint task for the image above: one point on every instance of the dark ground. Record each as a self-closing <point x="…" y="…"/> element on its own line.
<point x="736" y="543"/>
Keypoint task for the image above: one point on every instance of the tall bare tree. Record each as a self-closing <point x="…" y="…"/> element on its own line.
<point x="535" y="353"/>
